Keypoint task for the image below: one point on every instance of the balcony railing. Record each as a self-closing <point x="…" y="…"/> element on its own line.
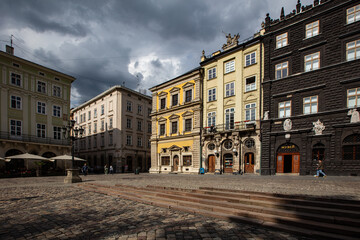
<point x="34" y="139"/>
<point x="236" y="126"/>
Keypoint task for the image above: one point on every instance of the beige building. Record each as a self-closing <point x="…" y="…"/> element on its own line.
<point x="117" y="130"/>
<point x="176" y="124"/>
<point x="35" y="105"/>
<point x="232" y="107"/>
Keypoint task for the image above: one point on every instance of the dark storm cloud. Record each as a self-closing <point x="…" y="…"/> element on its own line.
<point x="156" y="63"/>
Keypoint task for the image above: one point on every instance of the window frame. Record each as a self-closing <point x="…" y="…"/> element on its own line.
<point x="41" y="130"/>
<point x="15" y="79"/>
<point x="231" y="91"/>
<point x="176" y="129"/>
<point x="280" y="68"/>
<point x="187" y="128"/>
<point x="188" y="98"/>
<point x="211" y="119"/>
<point x="17" y="102"/>
<point x="162" y="129"/>
<point x="42" y="108"/>
<point x="128" y="106"/>
<point x="280" y="39"/>
<point x="57" y="132"/>
<point x="354" y="13"/>
<point x="128" y="123"/>
<point x="212" y="94"/>
<point x="211" y="73"/>
<point x="172" y="99"/>
<point x="229" y="118"/>
<point x="56" y="91"/>
<point x="356" y="49"/>
<point x="252" y="86"/>
<point x="162" y="103"/>
<point x="229" y="66"/>
<point x="312" y="60"/>
<point x="250" y="59"/>
<point x="285" y="107"/>
<point x="16" y="129"/>
<point x="128" y="140"/>
<point x="56" y="111"/>
<point x="311" y="27"/>
<point x="186" y="161"/>
<point x="251" y="110"/>
<point x="310" y="103"/>
<point x="356" y="95"/>
<point x="41" y="86"/>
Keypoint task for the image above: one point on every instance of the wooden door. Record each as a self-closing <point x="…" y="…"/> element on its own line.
<point x="280" y="163"/>
<point x="296" y="163"/>
<point x="211" y="165"/>
<point x="228" y="163"/>
<point x="249" y="163"/>
<point x="176" y="163"/>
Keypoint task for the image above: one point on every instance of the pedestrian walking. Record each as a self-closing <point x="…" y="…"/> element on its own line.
<point x="320" y="169"/>
<point x="111" y="169"/>
<point x="85" y="169"/>
<point x="106" y="169"/>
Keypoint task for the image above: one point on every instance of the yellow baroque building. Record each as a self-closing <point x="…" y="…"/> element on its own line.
<point x="232" y="107"/>
<point x="176" y="124"/>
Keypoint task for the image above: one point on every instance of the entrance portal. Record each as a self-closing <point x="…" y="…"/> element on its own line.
<point x="228" y="163"/>
<point x="288" y="159"/>
<point x="249" y="163"/>
<point x="176" y="163"/>
<point x="211" y="163"/>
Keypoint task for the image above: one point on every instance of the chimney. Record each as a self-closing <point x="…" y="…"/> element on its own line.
<point x="9" y="50"/>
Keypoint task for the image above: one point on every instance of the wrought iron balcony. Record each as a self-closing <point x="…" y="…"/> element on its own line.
<point x="33" y="139"/>
<point x="230" y="127"/>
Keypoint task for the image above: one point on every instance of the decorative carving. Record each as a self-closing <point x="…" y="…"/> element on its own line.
<point x="287" y="125"/>
<point x="266" y="115"/>
<point x="318" y="127"/>
<point x="355" y="117"/>
<point x="231" y="41"/>
<point x="298" y="6"/>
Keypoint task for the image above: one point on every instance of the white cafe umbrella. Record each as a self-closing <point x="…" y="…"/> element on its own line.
<point x="66" y="157"/>
<point x="3" y="159"/>
<point x="27" y="156"/>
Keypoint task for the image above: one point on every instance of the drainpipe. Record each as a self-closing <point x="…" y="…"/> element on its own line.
<point x="201" y="113"/>
<point x="261" y="69"/>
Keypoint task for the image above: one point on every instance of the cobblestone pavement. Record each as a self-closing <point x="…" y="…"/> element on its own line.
<point x="45" y="208"/>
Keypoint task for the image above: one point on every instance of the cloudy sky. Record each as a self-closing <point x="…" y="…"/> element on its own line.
<point x="139" y="43"/>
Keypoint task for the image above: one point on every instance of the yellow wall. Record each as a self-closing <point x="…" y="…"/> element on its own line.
<point x="181" y="94"/>
<point x="177" y="143"/>
<point x="168" y="123"/>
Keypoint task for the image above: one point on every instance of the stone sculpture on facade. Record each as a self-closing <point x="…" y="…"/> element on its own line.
<point x="355" y="117"/>
<point x="266" y="115"/>
<point x="318" y="127"/>
<point x="287" y="125"/>
<point x="231" y="41"/>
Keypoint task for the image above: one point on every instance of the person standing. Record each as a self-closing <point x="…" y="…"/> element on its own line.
<point x="111" y="169"/>
<point x="320" y="169"/>
<point x="106" y="169"/>
<point x="85" y="169"/>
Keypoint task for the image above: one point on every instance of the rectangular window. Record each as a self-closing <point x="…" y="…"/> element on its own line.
<point x="41" y="87"/>
<point x="230" y="89"/>
<point x="311" y="105"/>
<point x="250" y="112"/>
<point x="250" y="59"/>
<point x="139" y="142"/>
<point x="188" y="125"/>
<point x="57" y="133"/>
<point x="162" y="129"/>
<point x="212" y="94"/>
<point x="353" y="50"/>
<point x="163" y="103"/>
<point x="174" y="127"/>
<point x="102" y="140"/>
<point x="15" y="102"/>
<point x="139" y="125"/>
<point x="102" y="125"/>
<point x="89" y="128"/>
<point x="353" y="98"/>
<point x="110" y="123"/>
<point x="250" y="84"/>
<point x="95" y="127"/>
<point x="187" y="161"/>
<point x="129" y="106"/>
<point x="89" y="115"/>
<point x="16" y="79"/>
<point x="41" y="107"/>
<point x="312" y="61"/>
<point x="285" y="109"/>
<point x="89" y="142"/>
<point x="281" y="70"/>
<point x="95" y="113"/>
<point x="139" y="109"/>
<point x="102" y="109"/>
<point x="312" y="29"/>
<point x="149" y="127"/>
<point x="282" y="40"/>
<point x="56" y="91"/>
<point x="211" y="117"/>
<point x="165" y="161"/>
<point x="149" y="112"/>
<point x="353" y="14"/>
<point x="229" y="118"/>
<point x="212" y="73"/>
<point x="175" y="99"/>
<point x="95" y="142"/>
<point x="129" y="140"/>
<point x="188" y="95"/>
<point x="15" y="128"/>
<point x="230" y="66"/>
<point x="110" y="106"/>
<point x="128" y="123"/>
<point x="41" y="130"/>
<point x="56" y="111"/>
<point x="111" y="138"/>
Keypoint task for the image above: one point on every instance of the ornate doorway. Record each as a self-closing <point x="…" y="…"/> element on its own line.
<point x="288" y="159"/>
<point x="228" y="163"/>
<point x="211" y="163"/>
<point x="176" y="163"/>
<point x="249" y="162"/>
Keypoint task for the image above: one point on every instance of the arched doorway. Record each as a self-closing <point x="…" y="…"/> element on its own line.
<point x="288" y="159"/>
<point x="211" y="163"/>
<point x="228" y="163"/>
<point x="249" y="162"/>
<point x="15" y="165"/>
<point x="176" y="163"/>
<point x="318" y="152"/>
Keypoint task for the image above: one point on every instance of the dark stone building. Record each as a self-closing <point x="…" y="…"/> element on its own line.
<point x="311" y="89"/>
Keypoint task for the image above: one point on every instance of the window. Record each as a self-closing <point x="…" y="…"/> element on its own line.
<point x="162" y="129"/>
<point x="41" y="107"/>
<point x="250" y="112"/>
<point x="312" y="61"/>
<point x="353" y="14"/>
<point x="281" y="70"/>
<point x="174" y="127"/>
<point x="57" y="133"/>
<point x="351" y="147"/>
<point x="149" y="127"/>
<point x="102" y="109"/>
<point x="282" y="40"/>
<point x="41" y="130"/>
<point x="102" y="125"/>
<point x="139" y="125"/>
<point x="230" y="66"/>
<point x="212" y="73"/>
<point x="162" y="103"/>
<point x="311" y="105"/>
<point x="95" y="113"/>
<point x="229" y="118"/>
<point x="230" y="89"/>
<point x="15" y="128"/>
<point x="175" y="99"/>
<point x="139" y="142"/>
<point x="139" y="109"/>
<point x="16" y="79"/>
<point x="250" y="59"/>
<point x="312" y="29"/>
<point x="250" y="84"/>
<point x="56" y="91"/>
<point x="89" y="115"/>
<point x="128" y="140"/>
<point x="110" y="106"/>
<point x="285" y="109"/>
<point x="95" y="142"/>
<point x="188" y="125"/>
<point x="41" y="87"/>
<point x="129" y="106"/>
<point x="187" y="161"/>
<point x="95" y="127"/>
<point x="212" y="94"/>
<point x="110" y="123"/>
<point x="128" y="123"/>
<point x="250" y="143"/>
<point x="89" y="128"/>
<point x="56" y="111"/>
<point x="110" y="138"/>
<point x="15" y="102"/>
<point x="102" y="140"/>
<point x="353" y="50"/>
<point x="188" y="95"/>
<point x="165" y="160"/>
<point x="353" y="98"/>
<point x="211" y="119"/>
<point x="89" y="142"/>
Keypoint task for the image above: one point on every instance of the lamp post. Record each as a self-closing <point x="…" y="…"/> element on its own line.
<point x="73" y="133"/>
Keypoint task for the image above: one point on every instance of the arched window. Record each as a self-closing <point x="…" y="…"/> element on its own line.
<point x="228" y="144"/>
<point x="250" y="143"/>
<point x="318" y="151"/>
<point x="351" y="147"/>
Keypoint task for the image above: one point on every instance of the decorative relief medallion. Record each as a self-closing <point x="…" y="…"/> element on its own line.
<point x="354" y="116"/>
<point x="318" y="127"/>
<point x="287" y="125"/>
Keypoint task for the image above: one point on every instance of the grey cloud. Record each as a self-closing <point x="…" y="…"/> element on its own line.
<point x="156" y="63"/>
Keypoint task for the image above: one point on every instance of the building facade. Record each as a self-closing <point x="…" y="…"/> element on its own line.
<point x="176" y="124"/>
<point x="117" y="130"/>
<point x="35" y="105"/>
<point x="232" y="107"/>
<point x="311" y="90"/>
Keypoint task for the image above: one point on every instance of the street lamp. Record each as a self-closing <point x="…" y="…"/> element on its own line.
<point x="72" y="133"/>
